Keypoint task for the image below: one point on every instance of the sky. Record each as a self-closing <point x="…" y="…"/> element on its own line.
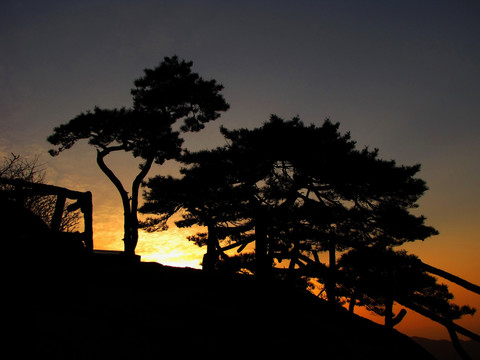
<point x="401" y="76"/>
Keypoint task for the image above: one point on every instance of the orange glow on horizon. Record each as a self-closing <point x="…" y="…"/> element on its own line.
<point x="170" y="247"/>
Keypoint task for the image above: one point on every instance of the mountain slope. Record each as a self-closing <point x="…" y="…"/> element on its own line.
<point x="147" y="310"/>
<point x="443" y="349"/>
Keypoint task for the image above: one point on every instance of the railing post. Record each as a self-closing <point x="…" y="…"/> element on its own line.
<point x="56" y="220"/>
<point x="87" y="209"/>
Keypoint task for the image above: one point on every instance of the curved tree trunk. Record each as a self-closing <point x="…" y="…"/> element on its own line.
<point x="123" y="194"/>
<point x="130" y="218"/>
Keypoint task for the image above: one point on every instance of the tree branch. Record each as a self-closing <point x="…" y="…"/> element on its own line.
<point x="453" y="278"/>
<point x="107" y="150"/>
<point x="138" y="180"/>
<point x="106" y="170"/>
<point x="449" y="324"/>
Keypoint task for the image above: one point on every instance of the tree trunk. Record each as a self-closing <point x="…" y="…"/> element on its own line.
<point x="291" y="275"/>
<point x="389" y="312"/>
<point x="457" y="345"/>
<point x="209" y="259"/>
<point x="133" y="216"/>
<point x="262" y="264"/>
<point x="130" y="222"/>
<point x="130" y="237"/>
<point x="331" y="283"/>
<point x="352" y="303"/>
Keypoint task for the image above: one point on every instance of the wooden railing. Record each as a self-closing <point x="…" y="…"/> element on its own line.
<point x="22" y="189"/>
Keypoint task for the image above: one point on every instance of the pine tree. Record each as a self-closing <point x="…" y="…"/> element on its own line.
<point x="165" y="95"/>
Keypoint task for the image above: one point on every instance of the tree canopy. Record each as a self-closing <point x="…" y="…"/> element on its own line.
<point x="298" y="190"/>
<point x="303" y="187"/>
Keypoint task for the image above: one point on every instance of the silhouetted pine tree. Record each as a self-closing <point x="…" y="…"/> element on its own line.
<point x="306" y="188"/>
<point x="165" y="95"/>
<point x="206" y="196"/>
<point x="376" y="277"/>
<point x="267" y="159"/>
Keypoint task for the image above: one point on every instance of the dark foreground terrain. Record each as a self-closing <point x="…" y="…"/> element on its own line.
<point x="443" y="349"/>
<point x="150" y="311"/>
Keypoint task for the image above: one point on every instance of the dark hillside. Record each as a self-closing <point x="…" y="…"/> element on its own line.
<point x="147" y="311"/>
<point x="444" y="350"/>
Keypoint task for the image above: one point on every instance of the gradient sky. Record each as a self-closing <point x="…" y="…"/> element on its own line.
<point x="403" y="76"/>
